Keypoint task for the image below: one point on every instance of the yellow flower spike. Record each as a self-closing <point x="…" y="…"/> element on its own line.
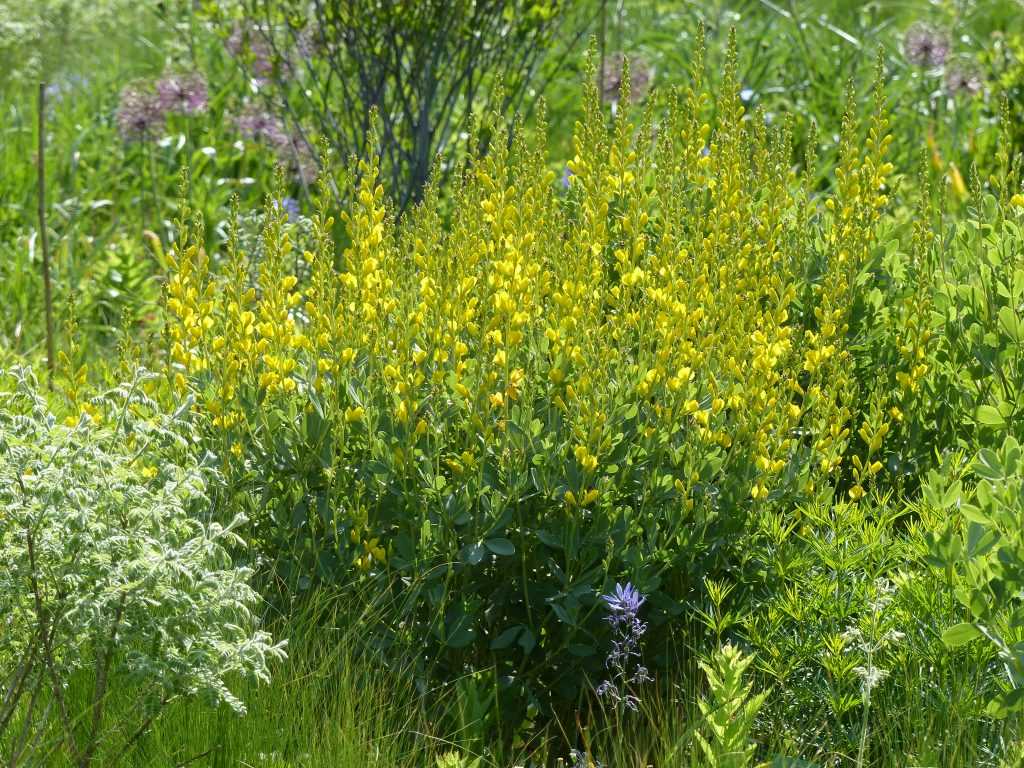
<point x="354" y="414"/>
<point x="1017" y="200"/>
<point x="589" y="497"/>
<point x="496" y="399"/>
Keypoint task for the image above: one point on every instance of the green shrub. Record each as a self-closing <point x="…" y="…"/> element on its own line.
<point x="500" y="415"/>
<point x="988" y="559"/>
<point x="113" y="576"/>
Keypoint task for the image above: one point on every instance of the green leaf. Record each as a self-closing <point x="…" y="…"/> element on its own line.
<point x="472" y="554"/>
<point x="506" y="638"/>
<point x="990" y="416"/>
<point x="500" y="546"/>
<point x="960" y="634"/>
<point x="527" y="641"/>
<point x="1011" y="324"/>
<point x="459" y="633"/>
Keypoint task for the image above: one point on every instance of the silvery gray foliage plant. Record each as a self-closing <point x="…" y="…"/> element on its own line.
<point x="118" y="594"/>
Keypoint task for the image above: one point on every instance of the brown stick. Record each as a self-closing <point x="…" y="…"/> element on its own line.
<point x="43" y="237"/>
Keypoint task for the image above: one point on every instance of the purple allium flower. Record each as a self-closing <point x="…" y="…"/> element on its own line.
<point x="258" y="125"/>
<point x="627" y="630"/>
<point x="245" y="38"/>
<point x="963" y="80"/>
<point x="185" y="94"/>
<point x="925" y="45"/>
<point x="301" y="160"/>
<point x="611" y="78"/>
<point x="138" y="112"/>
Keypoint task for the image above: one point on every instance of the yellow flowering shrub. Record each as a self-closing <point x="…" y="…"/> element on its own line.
<point x="521" y="392"/>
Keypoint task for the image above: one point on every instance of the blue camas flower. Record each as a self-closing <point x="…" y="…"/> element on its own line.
<point x="622" y="662"/>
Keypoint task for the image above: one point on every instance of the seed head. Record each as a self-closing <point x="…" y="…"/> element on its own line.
<point x="138" y="112"/>
<point x="925" y="45"/>
<point x="963" y="80"/>
<point x="247" y="39"/>
<point x="640" y="76"/>
<point x="185" y="94"/>
<point x="259" y="125"/>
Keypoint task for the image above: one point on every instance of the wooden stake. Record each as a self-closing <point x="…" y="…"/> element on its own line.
<point x="43" y="236"/>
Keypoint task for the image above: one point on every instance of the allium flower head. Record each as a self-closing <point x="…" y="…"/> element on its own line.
<point x="640" y="75"/>
<point x="963" y="80"/>
<point x="248" y="39"/>
<point x="258" y="125"/>
<point x="185" y="94"/>
<point x="138" y="113"/>
<point x="302" y="160"/>
<point x="925" y="45"/>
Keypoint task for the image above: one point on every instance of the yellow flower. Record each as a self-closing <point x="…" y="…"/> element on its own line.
<point x="354" y="414"/>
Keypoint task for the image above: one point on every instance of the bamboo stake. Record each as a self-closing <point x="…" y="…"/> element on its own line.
<point x="43" y="236"/>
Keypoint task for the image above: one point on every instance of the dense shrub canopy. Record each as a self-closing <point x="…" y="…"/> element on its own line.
<point x="112" y="570"/>
<point x="558" y="388"/>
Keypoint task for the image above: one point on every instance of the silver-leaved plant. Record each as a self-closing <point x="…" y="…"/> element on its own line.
<point x="118" y="594"/>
